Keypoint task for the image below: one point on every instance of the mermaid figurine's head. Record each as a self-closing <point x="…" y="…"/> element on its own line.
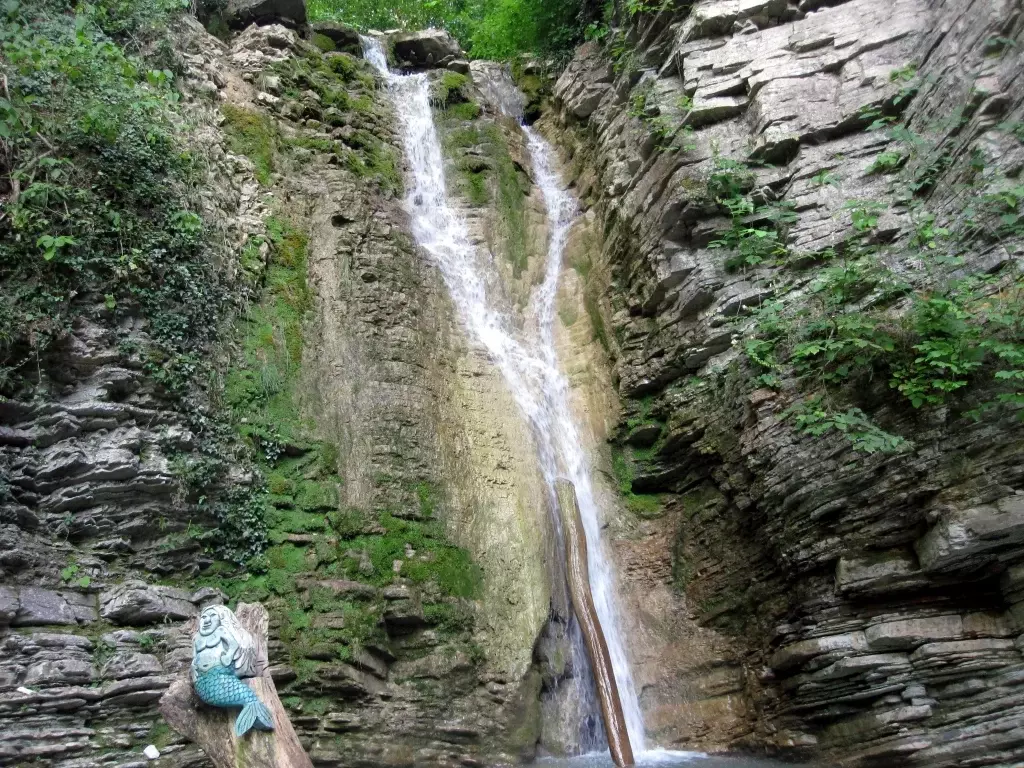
<point x="210" y="619"/>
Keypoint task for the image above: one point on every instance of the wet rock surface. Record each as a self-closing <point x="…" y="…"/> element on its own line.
<point x="344" y="37"/>
<point x="868" y="607"/>
<point x="425" y="49"/>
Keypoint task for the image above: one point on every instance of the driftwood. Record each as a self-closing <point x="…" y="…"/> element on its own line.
<point x="593" y="636"/>
<point x="212" y="728"/>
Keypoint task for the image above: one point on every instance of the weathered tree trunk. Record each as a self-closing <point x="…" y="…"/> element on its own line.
<point x="213" y="728"/>
<point x="583" y="604"/>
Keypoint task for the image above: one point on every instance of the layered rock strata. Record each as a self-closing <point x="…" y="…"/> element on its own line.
<point x="873" y="600"/>
<point x="400" y="420"/>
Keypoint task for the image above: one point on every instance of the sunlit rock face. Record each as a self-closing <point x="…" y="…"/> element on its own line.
<point x="864" y="607"/>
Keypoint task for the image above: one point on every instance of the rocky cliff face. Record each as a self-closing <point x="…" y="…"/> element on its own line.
<point x="838" y="550"/>
<point x="790" y="317"/>
<point x="347" y="426"/>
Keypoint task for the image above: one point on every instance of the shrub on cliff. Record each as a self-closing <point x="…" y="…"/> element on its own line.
<point x="95" y="219"/>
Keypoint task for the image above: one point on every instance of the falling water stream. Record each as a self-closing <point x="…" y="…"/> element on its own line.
<point x="527" y="359"/>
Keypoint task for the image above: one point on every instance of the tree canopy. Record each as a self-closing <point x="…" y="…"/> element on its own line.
<point x="488" y="29"/>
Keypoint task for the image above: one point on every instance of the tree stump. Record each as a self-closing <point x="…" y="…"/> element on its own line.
<point x="212" y="728"/>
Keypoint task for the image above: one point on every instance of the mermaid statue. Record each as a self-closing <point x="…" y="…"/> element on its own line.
<point x="222" y="653"/>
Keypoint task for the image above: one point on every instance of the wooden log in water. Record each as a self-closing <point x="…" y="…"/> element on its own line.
<point x="213" y="728"/>
<point x="578" y="576"/>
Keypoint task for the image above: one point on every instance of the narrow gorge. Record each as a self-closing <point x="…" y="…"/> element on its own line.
<point x="315" y="315"/>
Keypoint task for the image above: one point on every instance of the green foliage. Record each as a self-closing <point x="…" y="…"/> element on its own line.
<point x="379" y="162"/>
<point x="96" y="220"/>
<point x="645" y="506"/>
<point x="259" y="396"/>
<point x="662" y="125"/>
<point x="451" y="93"/>
<point x="161" y="734"/>
<point x="346" y="89"/>
<point x="864" y="214"/>
<point x="467" y="110"/>
<point x="427" y="498"/>
<point x="637" y="7"/>
<point x="272" y="343"/>
<point x="241" y="517"/>
<point x="942" y="345"/>
<point x="638" y="99"/>
<point x="945" y="355"/>
<point x="730" y="179"/>
<point x="451" y="568"/>
<point x="489" y="29"/>
<point x="70" y="576"/>
<point x="623" y="471"/>
<point x="996" y="215"/>
<point x="825" y="178"/>
<point x="887" y="162"/>
<point x="904" y="74"/>
<point x="814" y="418"/>
<point x="757" y="234"/>
<point x="927" y="235"/>
<point x="643" y="414"/>
<point x="833" y="348"/>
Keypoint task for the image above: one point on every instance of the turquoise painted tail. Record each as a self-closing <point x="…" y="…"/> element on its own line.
<point x="253" y="714"/>
<point x="220" y="688"/>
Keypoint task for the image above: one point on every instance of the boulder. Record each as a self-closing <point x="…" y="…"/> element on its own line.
<point x="55" y="672"/>
<point x="205" y="596"/>
<point x="968" y="539"/>
<point x="39" y="607"/>
<point x="796" y="654"/>
<point x="344" y="37"/>
<point x="425" y="49"/>
<point x="905" y="634"/>
<point x="130" y="664"/>
<point x="135" y="602"/>
<point x="242" y="13"/>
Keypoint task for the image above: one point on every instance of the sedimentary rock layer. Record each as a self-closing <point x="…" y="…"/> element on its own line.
<point x="875" y="598"/>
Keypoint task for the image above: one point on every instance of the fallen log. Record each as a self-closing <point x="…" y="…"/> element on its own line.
<point x="213" y="729"/>
<point x="578" y="576"/>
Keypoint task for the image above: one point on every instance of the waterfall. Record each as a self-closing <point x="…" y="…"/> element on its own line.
<point x="527" y="359"/>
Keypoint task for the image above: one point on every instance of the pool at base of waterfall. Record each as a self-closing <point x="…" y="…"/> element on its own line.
<point x="660" y="758"/>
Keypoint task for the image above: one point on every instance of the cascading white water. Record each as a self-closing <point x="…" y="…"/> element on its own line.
<point x="527" y="359"/>
<point x="563" y="433"/>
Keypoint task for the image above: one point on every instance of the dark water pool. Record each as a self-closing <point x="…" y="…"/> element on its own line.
<point x="662" y="759"/>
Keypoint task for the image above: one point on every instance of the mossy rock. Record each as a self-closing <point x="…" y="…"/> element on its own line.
<point x="312" y="496"/>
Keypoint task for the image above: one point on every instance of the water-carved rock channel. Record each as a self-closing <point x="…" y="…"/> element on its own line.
<point x="656" y="403"/>
<point x="526" y="359"/>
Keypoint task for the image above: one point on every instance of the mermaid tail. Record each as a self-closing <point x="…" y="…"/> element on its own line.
<point x="253" y="714"/>
<point x="220" y="688"/>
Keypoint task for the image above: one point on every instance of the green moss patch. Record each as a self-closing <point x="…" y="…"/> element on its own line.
<point x="624" y="464"/>
<point x="254" y="135"/>
<point x="487" y="175"/>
